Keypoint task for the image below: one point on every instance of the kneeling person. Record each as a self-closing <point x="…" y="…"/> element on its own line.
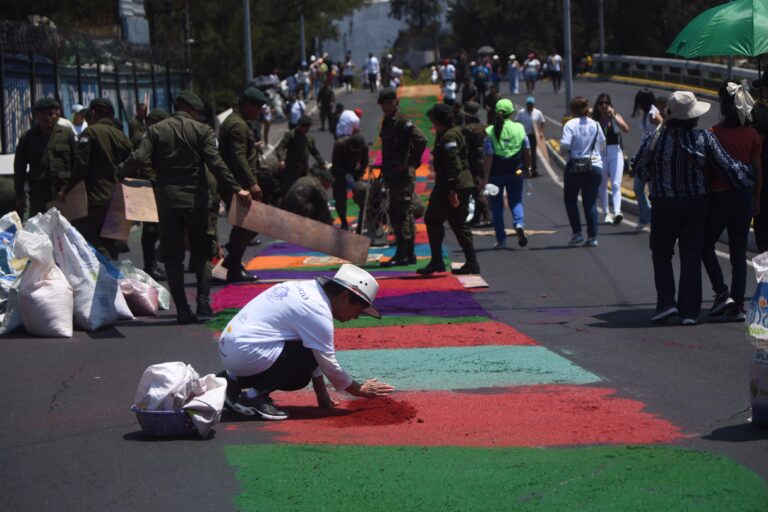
<point x="283" y="338"/>
<point x="308" y="198"/>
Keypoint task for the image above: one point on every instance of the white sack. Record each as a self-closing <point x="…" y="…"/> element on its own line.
<point x="45" y="296"/>
<point x="166" y="386"/>
<point x="205" y="409"/>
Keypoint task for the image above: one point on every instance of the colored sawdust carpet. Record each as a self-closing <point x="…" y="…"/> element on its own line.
<point x="517" y="416"/>
<point x="624" y="478"/>
<point x="429" y="336"/>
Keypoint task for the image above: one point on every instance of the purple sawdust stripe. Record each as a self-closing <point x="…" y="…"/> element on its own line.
<point x="443" y="304"/>
<point x="309" y="274"/>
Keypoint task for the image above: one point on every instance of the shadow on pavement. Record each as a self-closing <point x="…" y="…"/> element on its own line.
<point x="633" y="318"/>
<point x="738" y="433"/>
<point x="140" y="436"/>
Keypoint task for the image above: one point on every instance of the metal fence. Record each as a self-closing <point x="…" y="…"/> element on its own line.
<point x="688" y="72"/>
<point x="74" y="68"/>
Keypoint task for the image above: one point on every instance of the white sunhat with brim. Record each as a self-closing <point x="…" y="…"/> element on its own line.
<point x="77" y="108"/>
<point x="359" y="282"/>
<point x="684" y="105"/>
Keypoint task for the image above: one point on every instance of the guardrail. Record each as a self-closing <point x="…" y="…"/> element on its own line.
<point x="705" y="75"/>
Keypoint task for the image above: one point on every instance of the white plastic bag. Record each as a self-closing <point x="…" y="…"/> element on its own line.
<point x="96" y="291"/>
<point x="176" y="385"/>
<point x="45" y="296"/>
<point x="757" y="333"/>
<point x="10" y="269"/>
<point x="129" y="271"/>
<point x="140" y="297"/>
<point x="165" y="386"/>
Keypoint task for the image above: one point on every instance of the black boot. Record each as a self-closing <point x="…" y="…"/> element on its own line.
<point x="400" y="258"/>
<point x="470" y="267"/>
<point x="411" y="252"/>
<point x="432" y="268"/>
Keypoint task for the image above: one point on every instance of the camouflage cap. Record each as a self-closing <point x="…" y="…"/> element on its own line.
<point x="156" y="115"/>
<point x="356" y="141"/>
<point x="388" y="93"/>
<point x="101" y="103"/>
<point x="305" y="120"/>
<point x="45" y="104"/>
<point x="254" y="95"/>
<point x="441" y="113"/>
<point x="471" y="107"/>
<point x="191" y="99"/>
<point x="321" y="172"/>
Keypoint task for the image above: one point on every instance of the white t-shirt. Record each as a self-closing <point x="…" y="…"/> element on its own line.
<point x="555" y="62"/>
<point x="297" y="110"/>
<point x="348" y="124"/>
<point x="287" y="312"/>
<point x="372" y="66"/>
<point x="579" y="134"/>
<point x="448" y="72"/>
<point x="645" y="122"/>
<point x="63" y="121"/>
<point x="531" y="66"/>
<point x="528" y="118"/>
<point x="347" y="68"/>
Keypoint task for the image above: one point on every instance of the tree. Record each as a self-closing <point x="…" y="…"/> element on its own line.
<point x="418" y="14"/>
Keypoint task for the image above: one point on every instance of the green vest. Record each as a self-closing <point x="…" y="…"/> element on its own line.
<point x="512" y="139"/>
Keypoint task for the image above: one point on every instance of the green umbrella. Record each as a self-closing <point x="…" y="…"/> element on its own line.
<point x="734" y="28"/>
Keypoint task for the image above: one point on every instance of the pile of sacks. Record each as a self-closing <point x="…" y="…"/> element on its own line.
<point x="52" y="280"/>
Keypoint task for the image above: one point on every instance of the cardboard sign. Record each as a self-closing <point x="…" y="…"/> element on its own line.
<point x="132" y="201"/>
<point x="299" y="230"/>
<point x="76" y="204"/>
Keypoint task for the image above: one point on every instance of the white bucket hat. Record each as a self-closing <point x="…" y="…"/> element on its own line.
<point x="684" y="105"/>
<point x="359" y="282"/>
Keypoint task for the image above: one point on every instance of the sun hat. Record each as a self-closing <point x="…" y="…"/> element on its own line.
<point x="504" y="107"/>
<point x="359" y="282"/>
<point x="77" y="108"/>
<point x="684" y="105"/>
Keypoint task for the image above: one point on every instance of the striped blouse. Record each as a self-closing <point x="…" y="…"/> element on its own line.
<point x="675" y="166"/>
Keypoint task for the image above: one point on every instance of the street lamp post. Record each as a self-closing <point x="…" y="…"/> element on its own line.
<point x="247" y="37"/>
<point x="303" y="44"/>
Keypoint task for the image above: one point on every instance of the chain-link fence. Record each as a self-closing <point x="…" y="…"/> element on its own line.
<point x="38" y="61"/>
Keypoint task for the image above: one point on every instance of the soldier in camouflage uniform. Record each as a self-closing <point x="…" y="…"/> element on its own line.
<point x="326" y="98"/>
<point x="350" y="157"/>
<point x="308" y="197"/>
<point x="100" y="149"/>
<point x="474" y="134"/>
<point x="450" y="197"/>
<point x="48" y="149"/>
<point x="238" y="150"/>
<point x="184" y="196"/>
<point x="293" y="153"/>
<point x="402" y="144"/>
<point x="138" y="125"/>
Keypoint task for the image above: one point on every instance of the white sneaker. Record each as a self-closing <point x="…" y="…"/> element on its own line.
<point x="689" y="321"/>
<point x="663" y="316"/>
<point x="608" y="218"/>
<point x="618" y="218"/>
<point x="576" y="239"/>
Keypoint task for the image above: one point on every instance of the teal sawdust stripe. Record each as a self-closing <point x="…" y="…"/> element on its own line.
<point x="475" y="367"/>
<point x="222" y="318"/>
<point x="371" y="479"/>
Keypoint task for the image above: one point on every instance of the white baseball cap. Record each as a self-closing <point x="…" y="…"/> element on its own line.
<point x="359" y="282"/>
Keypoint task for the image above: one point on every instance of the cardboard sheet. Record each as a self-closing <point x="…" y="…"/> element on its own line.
<point x="299" y="230"/>
<point x="76" y="205"/>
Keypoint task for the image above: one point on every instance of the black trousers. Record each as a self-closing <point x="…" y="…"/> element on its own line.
<point x="175" y="223"/>
<point x="340" y="198"/>
<point x="290" y="372"/>
<point x="150" y="234"/>
<point x="439" y="211"/>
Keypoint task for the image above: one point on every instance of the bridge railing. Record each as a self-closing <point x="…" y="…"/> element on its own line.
<point x="689" y="72"/>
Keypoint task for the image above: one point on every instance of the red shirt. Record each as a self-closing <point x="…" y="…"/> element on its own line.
<point x="743" y="143"/>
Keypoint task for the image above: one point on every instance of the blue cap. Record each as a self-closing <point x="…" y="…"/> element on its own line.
<point x="531" y="100"/>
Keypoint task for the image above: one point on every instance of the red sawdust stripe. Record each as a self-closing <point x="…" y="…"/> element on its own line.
<point x="430" y="336"/>
<point x="522" y="416"/>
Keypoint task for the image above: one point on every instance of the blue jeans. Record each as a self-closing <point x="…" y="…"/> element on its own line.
<point x="588" y="184"/>
<point x="514" y="185"/>
<point x="683" y="221"/>
<point x="642" y="202"/>
<point x="731" y="210"/>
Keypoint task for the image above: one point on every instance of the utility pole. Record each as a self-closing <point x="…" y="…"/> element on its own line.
<point x="568" y="55"/>
<point x="601" y="32"/>
<point x="188" y="42"/>
<point x="303" y="43"/>
<point x="247" y="37"/>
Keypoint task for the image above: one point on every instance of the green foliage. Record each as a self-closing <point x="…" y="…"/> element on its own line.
<point x="418" y="14"/>
<point x="635" y="27"/>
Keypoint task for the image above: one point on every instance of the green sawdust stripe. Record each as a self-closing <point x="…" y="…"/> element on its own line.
<point x="415" y="109"/>
<point x="354" y="478"/>
<point x="222" y="318"/>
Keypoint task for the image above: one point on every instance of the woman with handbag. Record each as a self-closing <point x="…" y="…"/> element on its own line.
<point x="672" y="161"/>
<point x="583" y="141"/>
<point x="612" y="125"/>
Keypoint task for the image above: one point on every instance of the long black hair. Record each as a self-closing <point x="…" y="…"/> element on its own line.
<point x="498" y="124"/>
<point x="644" y="100"/>
<point x="602" y="97"/>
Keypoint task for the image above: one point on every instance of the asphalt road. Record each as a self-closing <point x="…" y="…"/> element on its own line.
<point x="70" y="442"/>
